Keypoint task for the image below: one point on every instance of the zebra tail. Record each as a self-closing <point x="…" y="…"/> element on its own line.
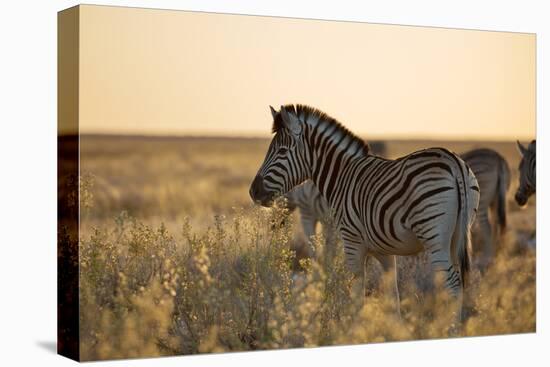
<point x="502" y="186"/>
<point x="462" y="237"/>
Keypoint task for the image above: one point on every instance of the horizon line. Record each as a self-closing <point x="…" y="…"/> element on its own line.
<point x="365" y="137"/>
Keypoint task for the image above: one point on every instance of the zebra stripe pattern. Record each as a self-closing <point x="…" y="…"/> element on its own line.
<point x="527" y="172"/>
<point x="312" y="205"/>
<point x="423" y="201"/>
<point x="492" y="173"/>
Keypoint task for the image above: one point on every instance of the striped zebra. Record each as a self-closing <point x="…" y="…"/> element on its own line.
<point x="382" y="208"/>
<point x="493" y="176"/>
<point x="527" y="172"/>
<point x="492" y="173"/>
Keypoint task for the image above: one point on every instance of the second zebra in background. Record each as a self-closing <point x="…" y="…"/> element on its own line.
<point x="493" y="176"/>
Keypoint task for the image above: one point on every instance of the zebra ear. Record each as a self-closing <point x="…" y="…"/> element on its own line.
<point x="291" y="122"/>
<point x="522" y="150"/>
<point x="273" y="112"/>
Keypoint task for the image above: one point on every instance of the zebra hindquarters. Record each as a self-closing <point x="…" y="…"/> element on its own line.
<point x="445" y="233"/>
<point x="462" y="241"/>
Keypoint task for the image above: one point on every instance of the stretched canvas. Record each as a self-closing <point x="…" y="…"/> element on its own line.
<point x="238" y="183"/>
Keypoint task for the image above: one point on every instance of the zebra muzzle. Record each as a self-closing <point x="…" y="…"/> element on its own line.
<point x="258" y="193"/>
<point x="522" y="196"/>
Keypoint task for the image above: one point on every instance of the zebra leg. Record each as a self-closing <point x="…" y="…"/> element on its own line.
<point x="355" y="256"/>
<point x="329" y="242"/>
<point x="497" y="229"/>
<point x="389" y="264"/>
<point x="486" y="235"/>
<point x="309" y="223"/>
<point x="439" y="252"/>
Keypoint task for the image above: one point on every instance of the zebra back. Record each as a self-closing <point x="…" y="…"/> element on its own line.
<point x="493" y="175"/>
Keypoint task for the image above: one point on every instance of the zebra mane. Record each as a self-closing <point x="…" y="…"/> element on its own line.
<point x="307" y="111"/>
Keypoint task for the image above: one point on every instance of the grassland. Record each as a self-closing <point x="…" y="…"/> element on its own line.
<point x="175" y="259"/>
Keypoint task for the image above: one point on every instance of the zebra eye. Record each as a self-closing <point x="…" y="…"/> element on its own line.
<point x="283" y="150"/>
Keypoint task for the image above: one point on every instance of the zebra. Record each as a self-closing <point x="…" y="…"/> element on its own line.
<point x="493" y="176"/>
<point x="527" y="172"/>
<point x="492" y="173"/>
<point x="382" y="208"/>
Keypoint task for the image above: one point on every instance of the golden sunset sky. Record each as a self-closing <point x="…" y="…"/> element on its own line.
<point x="164" y="72"/>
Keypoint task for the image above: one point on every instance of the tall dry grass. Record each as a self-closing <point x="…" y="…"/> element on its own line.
<point x="235" y="287"/>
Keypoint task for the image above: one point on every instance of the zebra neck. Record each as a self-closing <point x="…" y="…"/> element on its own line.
<point x="330" y="163"/>
<point x="335" y="185"/>
<point x="330" y="149"/>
